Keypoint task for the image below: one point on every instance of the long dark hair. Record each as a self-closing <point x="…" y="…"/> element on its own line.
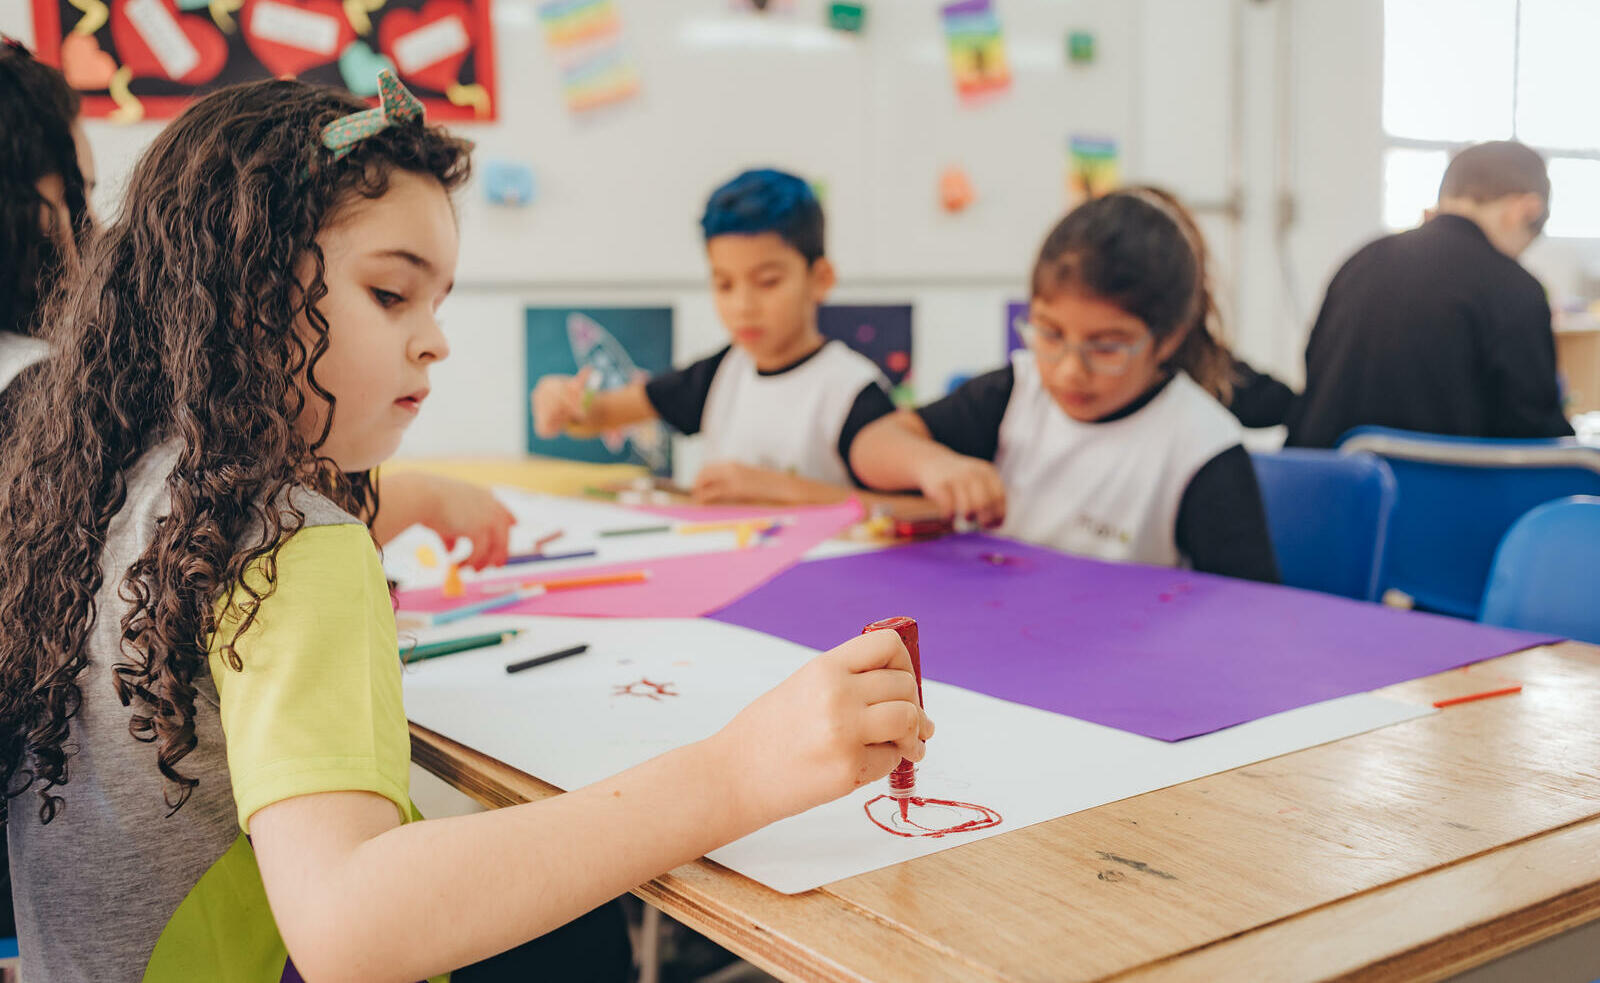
<point x="37" y="110"/>
<point x="195" y="319"/>
<point x="1141" y="250"/>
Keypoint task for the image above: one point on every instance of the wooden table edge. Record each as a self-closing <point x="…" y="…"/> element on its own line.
<point x="1480" y="934"/>
<point x="729" y="925"/>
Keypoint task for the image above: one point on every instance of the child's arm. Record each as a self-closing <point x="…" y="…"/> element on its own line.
<point x="564" y="404"/>
<point x="898" y="452"/>
<point x="358" y="896"/>
<point x="734" y="483"/>
<point x="1222" y="523"/>
<point x="451" y="508"/>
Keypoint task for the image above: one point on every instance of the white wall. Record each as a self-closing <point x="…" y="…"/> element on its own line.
<point x="1314" y="117"/>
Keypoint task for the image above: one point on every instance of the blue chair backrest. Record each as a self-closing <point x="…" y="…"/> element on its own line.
<point x="1546" y="574"/>
<point x="1457" y="498"/>
<point x="1329" y="517"/>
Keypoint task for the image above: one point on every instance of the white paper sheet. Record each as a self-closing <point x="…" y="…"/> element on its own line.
<point x="576" y="721"/>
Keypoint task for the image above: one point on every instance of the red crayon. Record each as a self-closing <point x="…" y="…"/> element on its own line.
<point x="922" y="529"/>
<point x="903" y="780"/>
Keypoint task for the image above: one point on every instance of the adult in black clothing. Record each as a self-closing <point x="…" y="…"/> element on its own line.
<point x="1440" y="329"/>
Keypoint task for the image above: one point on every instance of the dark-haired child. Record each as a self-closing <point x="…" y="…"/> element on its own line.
<point x="1105" y="436"/>
<point x="46" y="176"/>
<point x="195" y="624"/>
<point x="776" y="408"/>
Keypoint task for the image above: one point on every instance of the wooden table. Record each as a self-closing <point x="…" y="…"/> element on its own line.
<point x="1414" y="852"/>
<point x="1578" y="360"/>
<point x="549" y="475"/>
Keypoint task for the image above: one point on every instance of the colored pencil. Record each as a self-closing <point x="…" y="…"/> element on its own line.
<point x="591" y="580"/>
<point x="547" y="557"/>
<point x="532" y="589"/>
<point x="634" y="531"/>
<point x="488" y="604"/>
<point x="433" y="650"/>
<point x="1453" y="701"/>
<point x="758" y="523"/>
<point x="546" y="659"/>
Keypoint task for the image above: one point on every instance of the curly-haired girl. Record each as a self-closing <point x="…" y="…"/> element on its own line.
<point x="200" y="697"/>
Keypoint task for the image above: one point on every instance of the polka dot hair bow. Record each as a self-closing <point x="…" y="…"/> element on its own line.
<point x="398" y="106"/>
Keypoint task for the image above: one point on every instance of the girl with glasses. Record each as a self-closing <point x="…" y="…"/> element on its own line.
<point x="1105" y="436"/>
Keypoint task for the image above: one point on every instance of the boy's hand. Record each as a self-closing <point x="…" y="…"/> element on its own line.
<point x="964" y="488"/>
<point x="730" y="482"/>
<point x="843" y="720"/>
<point x="558" y="403"/>
<point x="457" y="509"/>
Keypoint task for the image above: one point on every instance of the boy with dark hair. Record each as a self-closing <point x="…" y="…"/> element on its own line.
<point x="779" y="406"/>
<point x="1440" y="329"/>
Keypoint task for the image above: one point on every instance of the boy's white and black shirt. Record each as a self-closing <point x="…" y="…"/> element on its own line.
<point x="799" y="419"/>
<point x="1164" y="480"/>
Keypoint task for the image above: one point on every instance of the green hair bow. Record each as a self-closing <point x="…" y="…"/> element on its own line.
<point x="398" y="106"/>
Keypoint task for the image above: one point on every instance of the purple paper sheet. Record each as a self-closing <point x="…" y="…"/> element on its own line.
<point x="1165" y="653"/>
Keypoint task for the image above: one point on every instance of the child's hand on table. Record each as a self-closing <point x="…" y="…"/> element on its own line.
<point x="964" y="488"/>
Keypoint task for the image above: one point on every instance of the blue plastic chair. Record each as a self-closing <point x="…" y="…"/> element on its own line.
<point x="1546" y="574"/>
<point x="1457" y="498"/>
<point x="1328" y="514"/>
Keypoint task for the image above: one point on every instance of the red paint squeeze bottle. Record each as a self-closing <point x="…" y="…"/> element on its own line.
<point x="903" y="780"/>
<point x="936" y="817"/>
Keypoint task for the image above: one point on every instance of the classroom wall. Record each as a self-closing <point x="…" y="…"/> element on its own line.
<point x="1301" y="123"/>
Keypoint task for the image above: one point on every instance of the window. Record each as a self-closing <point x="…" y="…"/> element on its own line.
<point x="1463" y="71"/>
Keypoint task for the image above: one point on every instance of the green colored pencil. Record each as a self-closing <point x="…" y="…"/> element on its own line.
<point x="635" y="531"/>
<point x="435" y="649"/>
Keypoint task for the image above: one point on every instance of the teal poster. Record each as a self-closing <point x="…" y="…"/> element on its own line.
<point x="619" y="345"/>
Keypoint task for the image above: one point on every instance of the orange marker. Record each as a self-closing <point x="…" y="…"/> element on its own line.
<point x="1509" y="690"/>
<point x="452" y="582"/>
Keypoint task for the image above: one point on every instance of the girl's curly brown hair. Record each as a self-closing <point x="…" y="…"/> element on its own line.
<point x="187" y="323"/>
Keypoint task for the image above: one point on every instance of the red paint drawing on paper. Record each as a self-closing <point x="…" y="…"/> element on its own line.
<point x="917" y="816"/>
<point x="646" y="688"/>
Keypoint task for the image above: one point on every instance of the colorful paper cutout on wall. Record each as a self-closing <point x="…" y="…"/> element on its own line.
<point x="1093" y="168"/>
<point x="138" y="59"/>
<point x="977" y="50"/>
<point x="585" y="36"/>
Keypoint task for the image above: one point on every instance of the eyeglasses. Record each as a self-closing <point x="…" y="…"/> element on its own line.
<point x="1099" y="357"/>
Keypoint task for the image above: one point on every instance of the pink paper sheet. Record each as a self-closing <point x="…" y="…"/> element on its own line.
<point x="679" y="586"/>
